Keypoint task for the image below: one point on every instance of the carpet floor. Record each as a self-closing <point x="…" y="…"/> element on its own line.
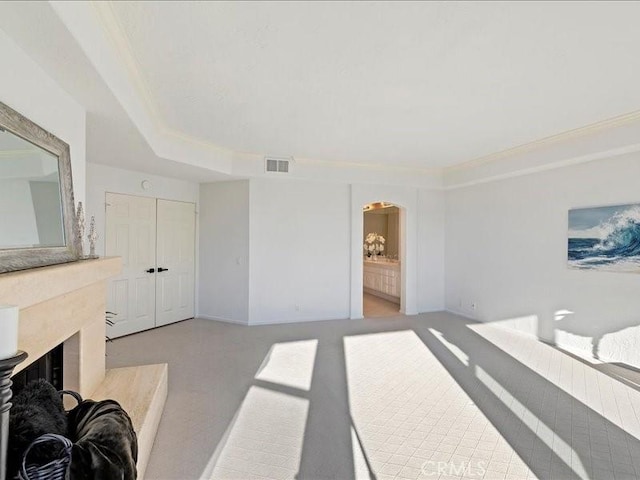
<point x="428" y="396"/>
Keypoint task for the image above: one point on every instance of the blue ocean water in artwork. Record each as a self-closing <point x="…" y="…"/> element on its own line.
<point x="618" y="242"/>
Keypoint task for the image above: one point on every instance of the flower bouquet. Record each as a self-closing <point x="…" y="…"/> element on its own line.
<point x="373" y="244"/>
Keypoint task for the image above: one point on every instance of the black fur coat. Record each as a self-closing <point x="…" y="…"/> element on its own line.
<point x="36" y="410"/>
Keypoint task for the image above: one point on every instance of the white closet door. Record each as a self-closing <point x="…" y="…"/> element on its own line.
<point x="175" y="287"/>
<point x="131" y="234"/>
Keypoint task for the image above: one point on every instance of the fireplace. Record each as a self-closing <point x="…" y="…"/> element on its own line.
<point x="49" y="367"/>
<point x="65" y="304"/>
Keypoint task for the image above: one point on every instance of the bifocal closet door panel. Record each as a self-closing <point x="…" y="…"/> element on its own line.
<point x="175" y="289"/>
<point x="131" y="234"/>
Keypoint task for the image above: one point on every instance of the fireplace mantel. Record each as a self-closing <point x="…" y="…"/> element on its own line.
<point x="66" y="304"/>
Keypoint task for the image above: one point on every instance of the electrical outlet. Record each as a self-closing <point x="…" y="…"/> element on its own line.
<point x="297" y="308"/>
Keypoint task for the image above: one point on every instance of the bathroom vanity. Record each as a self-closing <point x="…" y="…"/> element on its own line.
<point x="382" y="278"/>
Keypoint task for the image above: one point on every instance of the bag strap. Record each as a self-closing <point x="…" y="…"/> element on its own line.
<point x="47" y="437"/>
<point x="75" y="395"/>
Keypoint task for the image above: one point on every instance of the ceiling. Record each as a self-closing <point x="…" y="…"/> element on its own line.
<point x="112" y="138"/>
<point x="202" y="90"/>
<point x="418" y="84"/>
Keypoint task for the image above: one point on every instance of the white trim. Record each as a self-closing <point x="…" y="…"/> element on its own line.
<point x="120" y="41"/>
<point x="590" y="129"/>
<point x="221" y="319"/>
<point x="297" y="320"/>
<point x="461" y="314"/>
<point x="615" y="152"/>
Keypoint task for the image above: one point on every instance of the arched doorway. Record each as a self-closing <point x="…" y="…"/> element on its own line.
<point x="382" y="268"/>
<point x="407" y="202"/>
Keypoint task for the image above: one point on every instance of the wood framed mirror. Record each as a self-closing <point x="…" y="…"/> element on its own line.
<point x="37" y="210"/>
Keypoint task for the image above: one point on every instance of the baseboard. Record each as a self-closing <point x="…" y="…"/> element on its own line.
<point x="297" y="320"/>
<point x="460" y="313"/>
<point x="268" y="322"/>
<point x="433" y="310"/>
<point x="222" y="319"/>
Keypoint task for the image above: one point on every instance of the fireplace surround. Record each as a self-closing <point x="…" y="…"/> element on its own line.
<point x="66" y="304"/>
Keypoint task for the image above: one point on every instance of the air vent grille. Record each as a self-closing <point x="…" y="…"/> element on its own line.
<point x="277" y="165"/>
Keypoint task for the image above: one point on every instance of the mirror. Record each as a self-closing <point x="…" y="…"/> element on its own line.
<point x="37" y="220"/>
<point x="30" y="200"/>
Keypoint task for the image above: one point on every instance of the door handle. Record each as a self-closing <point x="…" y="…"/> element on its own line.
<point x="163" y="269"/>
<point x="151" y="270"/>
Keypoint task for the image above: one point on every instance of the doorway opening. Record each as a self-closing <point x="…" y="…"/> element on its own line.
<point x="382" y="253"/>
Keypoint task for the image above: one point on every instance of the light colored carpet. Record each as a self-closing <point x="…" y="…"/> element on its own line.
<point x="429" y="396"/>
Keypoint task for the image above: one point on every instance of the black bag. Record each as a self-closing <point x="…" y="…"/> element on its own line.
<point x="105" y="444"/>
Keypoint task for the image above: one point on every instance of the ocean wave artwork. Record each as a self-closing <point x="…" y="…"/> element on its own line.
<point x="605" y="238"/>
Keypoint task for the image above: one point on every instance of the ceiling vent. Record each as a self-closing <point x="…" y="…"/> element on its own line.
<point x="277" y="164"/>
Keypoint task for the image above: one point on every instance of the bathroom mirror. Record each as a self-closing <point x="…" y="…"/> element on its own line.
<point x="37" y="219"/>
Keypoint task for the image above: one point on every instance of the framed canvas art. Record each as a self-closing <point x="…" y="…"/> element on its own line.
<point x="605" y="238"/>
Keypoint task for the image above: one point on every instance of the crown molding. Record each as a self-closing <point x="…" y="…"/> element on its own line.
<point x="121" y="43"/>
<point x="371" y="166"/>
<point x="590" y="129"/>
<point x="616" y="152"/>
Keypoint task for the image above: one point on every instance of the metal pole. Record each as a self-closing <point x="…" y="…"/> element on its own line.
<point x="6" y="369"/>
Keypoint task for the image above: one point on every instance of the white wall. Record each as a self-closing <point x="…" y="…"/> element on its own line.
<point x="300" y="258"/>
<point x="295" y="253"/>
<point x="224" y="251"/>
<point x="102" y="179"/>
<point x="507" y="253"/>
<point x="431" y="250"/>
<point x="26" y="88"/>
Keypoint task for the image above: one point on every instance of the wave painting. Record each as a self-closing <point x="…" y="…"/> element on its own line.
<point x="605" y="238"/>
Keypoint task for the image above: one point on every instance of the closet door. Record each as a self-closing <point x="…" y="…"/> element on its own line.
<point x="131" y="234"/>
<point x="175" y="287"/>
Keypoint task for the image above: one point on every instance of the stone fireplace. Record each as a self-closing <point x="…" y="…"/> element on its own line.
<point x="66" y="304"/>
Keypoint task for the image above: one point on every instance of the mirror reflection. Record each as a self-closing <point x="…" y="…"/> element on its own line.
<point x="30" y="199"/>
